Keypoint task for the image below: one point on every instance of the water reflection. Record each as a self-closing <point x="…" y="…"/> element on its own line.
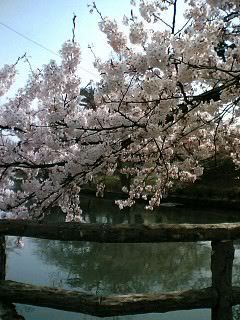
<point x="117" y="268"/>
<point x="128" y="268"/>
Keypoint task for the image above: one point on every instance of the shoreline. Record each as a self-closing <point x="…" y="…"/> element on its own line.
<point x="179" y="200"/>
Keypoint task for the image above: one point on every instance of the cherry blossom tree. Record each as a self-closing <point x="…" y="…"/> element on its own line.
<point x="168" y="99"/>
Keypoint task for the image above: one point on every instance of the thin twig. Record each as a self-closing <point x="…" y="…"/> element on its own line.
<point x="174" y="16"/>
<point x="74" y="27"/>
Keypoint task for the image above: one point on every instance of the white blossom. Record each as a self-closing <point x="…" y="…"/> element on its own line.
<point x="167" y="100"/>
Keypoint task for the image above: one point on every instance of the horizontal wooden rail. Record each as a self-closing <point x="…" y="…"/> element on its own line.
<point x="106" y="306"/>
<point x="121" y="233"/>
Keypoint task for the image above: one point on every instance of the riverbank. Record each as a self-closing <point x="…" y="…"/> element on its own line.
<point x="218" y="188"/>
<point x="178" y="200"/>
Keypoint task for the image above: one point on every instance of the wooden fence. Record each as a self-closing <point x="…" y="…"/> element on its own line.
<point x="220" y="297"/>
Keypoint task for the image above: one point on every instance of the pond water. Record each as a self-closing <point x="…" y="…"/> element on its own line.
<point x="105" y="269"/>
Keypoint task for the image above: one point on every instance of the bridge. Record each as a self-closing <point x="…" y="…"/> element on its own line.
<point x="220" y="297"/>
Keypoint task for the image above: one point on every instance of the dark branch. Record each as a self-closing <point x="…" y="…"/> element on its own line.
<point x="174" y="16"/>
<point x="12" y="128"/>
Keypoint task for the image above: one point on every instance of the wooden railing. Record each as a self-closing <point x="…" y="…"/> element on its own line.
<point x="220" y="297"/>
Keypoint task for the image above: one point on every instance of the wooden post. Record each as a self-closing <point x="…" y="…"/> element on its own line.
<point x="8" y="311"/>
<point x="2" y="258"/>
<point x="221" y="266"/>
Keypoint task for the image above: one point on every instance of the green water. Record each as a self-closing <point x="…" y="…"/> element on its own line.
<point x="118" y="268"/>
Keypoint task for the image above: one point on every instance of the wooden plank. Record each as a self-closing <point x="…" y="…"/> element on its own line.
<point x="106" y="306"/>
<point x="221" y="266"/>
<point x="121" y="233"/>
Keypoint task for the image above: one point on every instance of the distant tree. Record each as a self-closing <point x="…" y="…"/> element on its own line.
<point x="87" y="100"/>
<point x="168" y="100"/>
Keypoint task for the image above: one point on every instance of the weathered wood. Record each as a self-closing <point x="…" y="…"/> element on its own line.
<point x="108" y="305"/>
<point x="221" y="266"/>
<point x="2" y="258"/>
<point x="121" y="233"/>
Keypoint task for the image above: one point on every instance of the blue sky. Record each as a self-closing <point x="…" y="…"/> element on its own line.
<point x="49" y="22"/>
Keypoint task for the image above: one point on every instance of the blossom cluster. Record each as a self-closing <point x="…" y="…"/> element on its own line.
<point x="167" y="102"/>
<point x="7" y="76"/>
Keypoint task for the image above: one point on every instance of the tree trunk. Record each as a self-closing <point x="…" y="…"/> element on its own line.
<point x="106" y="306"/>
<point x="2" y="258"/>
<point x="221" y="266"/>
<point x="121" y="233"/>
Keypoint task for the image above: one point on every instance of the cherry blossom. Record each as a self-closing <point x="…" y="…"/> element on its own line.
<point x="167" y="101"/>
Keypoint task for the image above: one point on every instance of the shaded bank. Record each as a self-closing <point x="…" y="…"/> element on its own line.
<point x="182" y="198"/>
<point x="219" y="188"/>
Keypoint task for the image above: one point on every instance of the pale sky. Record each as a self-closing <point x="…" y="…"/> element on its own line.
<point x="49" y="22"/>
